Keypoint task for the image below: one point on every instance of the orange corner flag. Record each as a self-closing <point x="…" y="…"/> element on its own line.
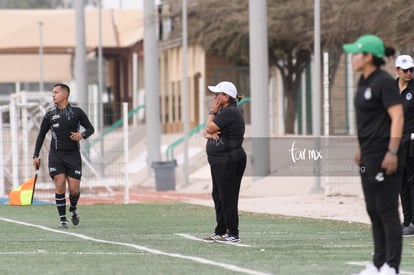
<point x="23" y="195"/>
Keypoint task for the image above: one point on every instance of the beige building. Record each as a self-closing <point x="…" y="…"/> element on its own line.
<point x="53" y="31"/>
<point x="203" y="70"/>
<point x="171" y="68"/>
<point x="122" y="44"/>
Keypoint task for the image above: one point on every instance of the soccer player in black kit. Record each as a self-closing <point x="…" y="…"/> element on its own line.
<point x="65" y="164"/>
<point x="404" y="67"/>
<point x="380" y="121"/>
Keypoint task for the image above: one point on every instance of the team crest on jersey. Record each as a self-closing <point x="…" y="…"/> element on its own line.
<point x="409" y="96"/>
<point x="368" y="93"/>
<point x="379" y="177"/>
<point x="55" y="117"/>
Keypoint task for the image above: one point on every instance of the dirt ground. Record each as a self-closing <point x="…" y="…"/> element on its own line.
<point x="288" y="196"/>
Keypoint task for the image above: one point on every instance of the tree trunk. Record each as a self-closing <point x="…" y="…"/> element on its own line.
<point x="290" y="116"/>
<point x="291" y="70"/>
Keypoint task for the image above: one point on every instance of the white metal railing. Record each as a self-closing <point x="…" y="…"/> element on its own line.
<point x="3" y="109"/>
<point x="26" y="110"/>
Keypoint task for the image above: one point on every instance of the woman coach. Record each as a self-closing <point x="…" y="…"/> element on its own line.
<point x="224" y="131"/>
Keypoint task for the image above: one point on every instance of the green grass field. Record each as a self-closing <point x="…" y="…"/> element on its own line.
<point x="156" y="239"/>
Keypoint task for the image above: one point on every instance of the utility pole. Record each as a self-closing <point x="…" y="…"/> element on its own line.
<point x="316" y="94"/>
<point x="80" y="55"/>
<point x="151" y="83"/>
<point x="259" y="75"/>
<point x="41" y="55"/>
<point x="100" y="90"/>
<point x="100" y="69"/>
<point x="186" y="115"/>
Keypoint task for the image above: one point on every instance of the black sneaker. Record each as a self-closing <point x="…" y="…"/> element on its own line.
<point x="75" y="217"/>
<point x="408" y="231"/>
<point x="226" y="238"/>
<point x="211" y="238"/>
<point x="63" y="225"/>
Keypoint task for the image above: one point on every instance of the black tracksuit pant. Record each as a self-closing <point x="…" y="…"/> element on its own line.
<point x="407" y="189"/>
<point x="381" y="194"/>
<point x="226" y="178"/>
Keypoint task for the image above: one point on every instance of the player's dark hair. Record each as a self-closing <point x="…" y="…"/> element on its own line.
<point x="378" y="62"/>
<point x="63" y="86"/>
<point x="237" y="99"/>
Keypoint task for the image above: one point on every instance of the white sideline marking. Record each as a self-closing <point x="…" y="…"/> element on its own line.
<point x="230" y="267"/>
<point x="191" y="237"/>
<point x="366" y="263"/>
<point x="42" y="252"/>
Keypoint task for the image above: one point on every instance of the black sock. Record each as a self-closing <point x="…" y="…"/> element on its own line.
<point x="61" y="206"/>
<point x="73" y="201"/>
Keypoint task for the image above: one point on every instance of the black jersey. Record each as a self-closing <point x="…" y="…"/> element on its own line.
<point x="408" y="105"/>
<point x="231" y="123"/>
<point x="373" y="97"/>
<point x="62" y="122"/>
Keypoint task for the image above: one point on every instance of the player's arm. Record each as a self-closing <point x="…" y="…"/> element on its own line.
<point x="357" y="157"/>
<point x="87" y="125"/>
<point x="212" y="130"/>
<point x="390" y="161"/>
<point x="211" y="127"/>
<point x="397" y="123"/>
<point x="44" y="128"/>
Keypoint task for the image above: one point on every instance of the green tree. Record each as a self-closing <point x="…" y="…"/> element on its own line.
<point x="222" y="28"/>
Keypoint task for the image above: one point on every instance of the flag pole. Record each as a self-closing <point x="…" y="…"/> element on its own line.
<point x="34" y="183"/>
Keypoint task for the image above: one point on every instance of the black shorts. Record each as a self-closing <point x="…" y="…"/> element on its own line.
<point x="68" y="163"/>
